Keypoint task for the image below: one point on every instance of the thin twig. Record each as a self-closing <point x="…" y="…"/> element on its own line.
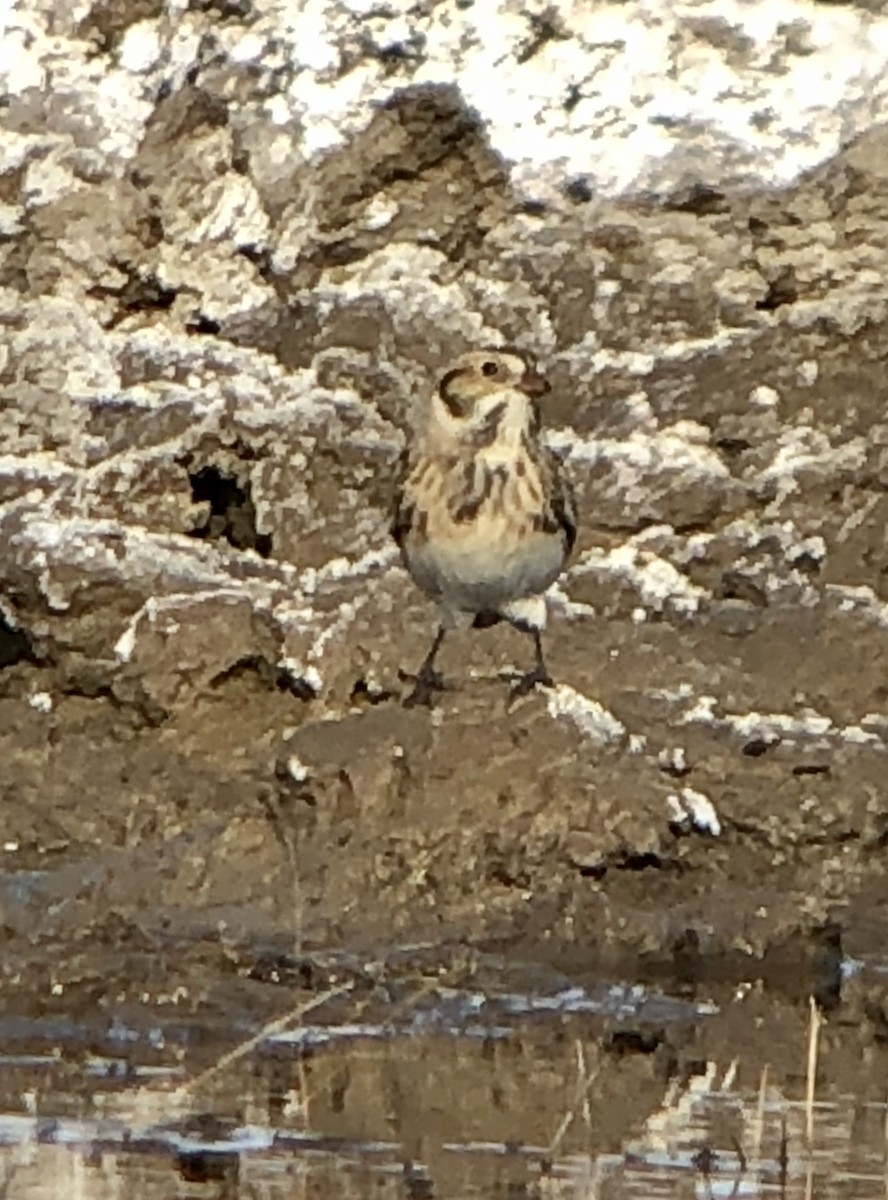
<point x="584" y="1083"/>
<point x="759" y="1134"/>
<point x="810" y="1091"/>
<point x="811" y="1075"/>
<point x="278" y="1025"/>
<point x="886" y="1151"/>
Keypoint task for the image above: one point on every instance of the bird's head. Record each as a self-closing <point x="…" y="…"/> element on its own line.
<point x="487" y="395"/>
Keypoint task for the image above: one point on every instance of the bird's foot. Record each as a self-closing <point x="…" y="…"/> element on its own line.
<point x="427" y="683"/>
<point x="538" y="677"/>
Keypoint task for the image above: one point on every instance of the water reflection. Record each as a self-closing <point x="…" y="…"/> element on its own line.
<point x="495" y="1092"/>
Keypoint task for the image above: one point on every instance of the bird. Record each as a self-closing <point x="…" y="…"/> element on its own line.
<point x="482" y="512"/>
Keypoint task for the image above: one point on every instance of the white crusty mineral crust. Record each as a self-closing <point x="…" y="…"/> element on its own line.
<point x="663" y="92"/>
<point x="659" y="584"/>
<point x="591" y="719"/>
<point x="660" y="90"/>
<point x="693" y="808"/>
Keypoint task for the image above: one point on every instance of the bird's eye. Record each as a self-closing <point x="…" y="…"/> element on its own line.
<point x="489" y="368"/>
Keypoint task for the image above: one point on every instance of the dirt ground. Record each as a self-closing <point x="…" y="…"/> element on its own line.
<point x="211" y="358"/>
<point x="201" y="803"/>
<point x="727" y="664"/>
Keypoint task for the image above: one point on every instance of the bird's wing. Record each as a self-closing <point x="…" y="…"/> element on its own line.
<point x="562" y="502"/>
<point x="403" y="508"/>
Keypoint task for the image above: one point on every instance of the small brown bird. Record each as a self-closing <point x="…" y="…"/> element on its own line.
<point x="483" y="514"/>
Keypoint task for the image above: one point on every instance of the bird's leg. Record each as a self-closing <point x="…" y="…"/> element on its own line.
<point x="428" y="680"/>
<point x="538" y="675"/>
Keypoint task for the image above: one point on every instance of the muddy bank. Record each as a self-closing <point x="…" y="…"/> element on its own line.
<point x="246" y="821"/>
<point x="219" y="309"/>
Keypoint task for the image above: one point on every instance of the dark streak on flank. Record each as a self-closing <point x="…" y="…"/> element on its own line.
<point x="499" y="476"/>
<point x="468" y="511"/>
<point x="402" y="521"/>
<point x="562" y="510"/>
<point x="401" y="511"/>
<point x="453" y="403"/>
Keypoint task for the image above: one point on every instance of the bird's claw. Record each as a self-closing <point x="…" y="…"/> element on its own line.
<point x="538" y="677"/>
<point x="427" y="684"/>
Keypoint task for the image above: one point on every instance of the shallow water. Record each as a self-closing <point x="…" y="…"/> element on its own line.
<point x="526" y="1085"/>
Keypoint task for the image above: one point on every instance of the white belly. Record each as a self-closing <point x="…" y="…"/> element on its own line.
<point x="477" y="571"/>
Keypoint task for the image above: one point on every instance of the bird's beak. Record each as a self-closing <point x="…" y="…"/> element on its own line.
<point x="533" y="384"/>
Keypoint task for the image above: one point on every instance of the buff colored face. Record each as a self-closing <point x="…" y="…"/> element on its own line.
<point x="480" y="377"/>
